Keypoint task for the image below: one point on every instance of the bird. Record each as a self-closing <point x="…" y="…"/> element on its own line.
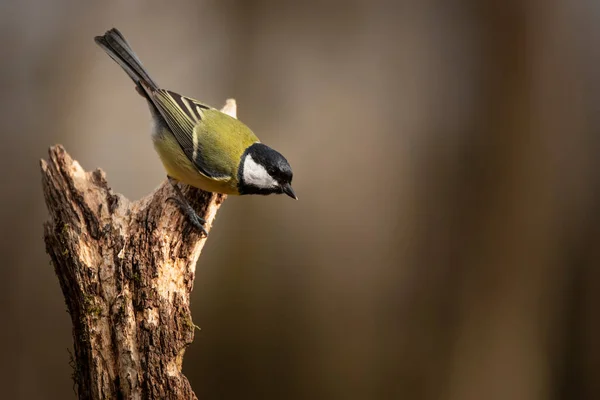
<point x="198" y="144"/>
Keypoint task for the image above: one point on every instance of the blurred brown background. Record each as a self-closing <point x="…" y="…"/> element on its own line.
<point x="446" y="244"/>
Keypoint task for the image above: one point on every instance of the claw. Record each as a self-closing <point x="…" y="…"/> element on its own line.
<point x="198" y="222"/>
<point x="174" y="199"/>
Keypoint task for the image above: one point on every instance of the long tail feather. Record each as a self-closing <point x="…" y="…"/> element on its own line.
<point x="115" y="45"/>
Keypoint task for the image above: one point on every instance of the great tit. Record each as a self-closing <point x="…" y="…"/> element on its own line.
<point x="200" y="145"/>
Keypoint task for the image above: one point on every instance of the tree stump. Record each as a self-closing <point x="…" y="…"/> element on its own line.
<point x="126" y="270"/>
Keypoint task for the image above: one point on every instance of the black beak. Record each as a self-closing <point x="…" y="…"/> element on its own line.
<point x="287" y="189"/>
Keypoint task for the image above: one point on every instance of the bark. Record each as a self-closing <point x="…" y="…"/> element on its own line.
<point x="126" y="270"/>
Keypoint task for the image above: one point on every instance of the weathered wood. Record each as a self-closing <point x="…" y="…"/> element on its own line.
<point x="126" y="270"/>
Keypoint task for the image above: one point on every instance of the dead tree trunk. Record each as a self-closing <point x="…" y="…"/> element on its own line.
<point x="126" y="270"/>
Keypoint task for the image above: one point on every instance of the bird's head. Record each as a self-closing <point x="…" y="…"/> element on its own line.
<point x="264" y="171"/>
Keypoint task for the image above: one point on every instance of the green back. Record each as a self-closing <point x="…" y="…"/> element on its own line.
<point x="213" y="141"/>
<point x="221" y="142"/>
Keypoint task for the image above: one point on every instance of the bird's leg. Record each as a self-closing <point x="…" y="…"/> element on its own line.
<point x="186" y="208"/>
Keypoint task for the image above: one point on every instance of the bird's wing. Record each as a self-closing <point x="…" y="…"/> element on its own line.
<point x="182" y="115"/>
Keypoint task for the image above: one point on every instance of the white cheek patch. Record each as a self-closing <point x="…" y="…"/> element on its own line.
<point x="256" y="175"/>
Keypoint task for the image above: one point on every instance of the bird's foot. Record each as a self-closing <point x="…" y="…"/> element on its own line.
<point x="193" y="218"/>
<point x="185" y="207"/>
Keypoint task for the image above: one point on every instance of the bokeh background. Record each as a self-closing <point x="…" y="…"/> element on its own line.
<point x="446" y="244"/>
